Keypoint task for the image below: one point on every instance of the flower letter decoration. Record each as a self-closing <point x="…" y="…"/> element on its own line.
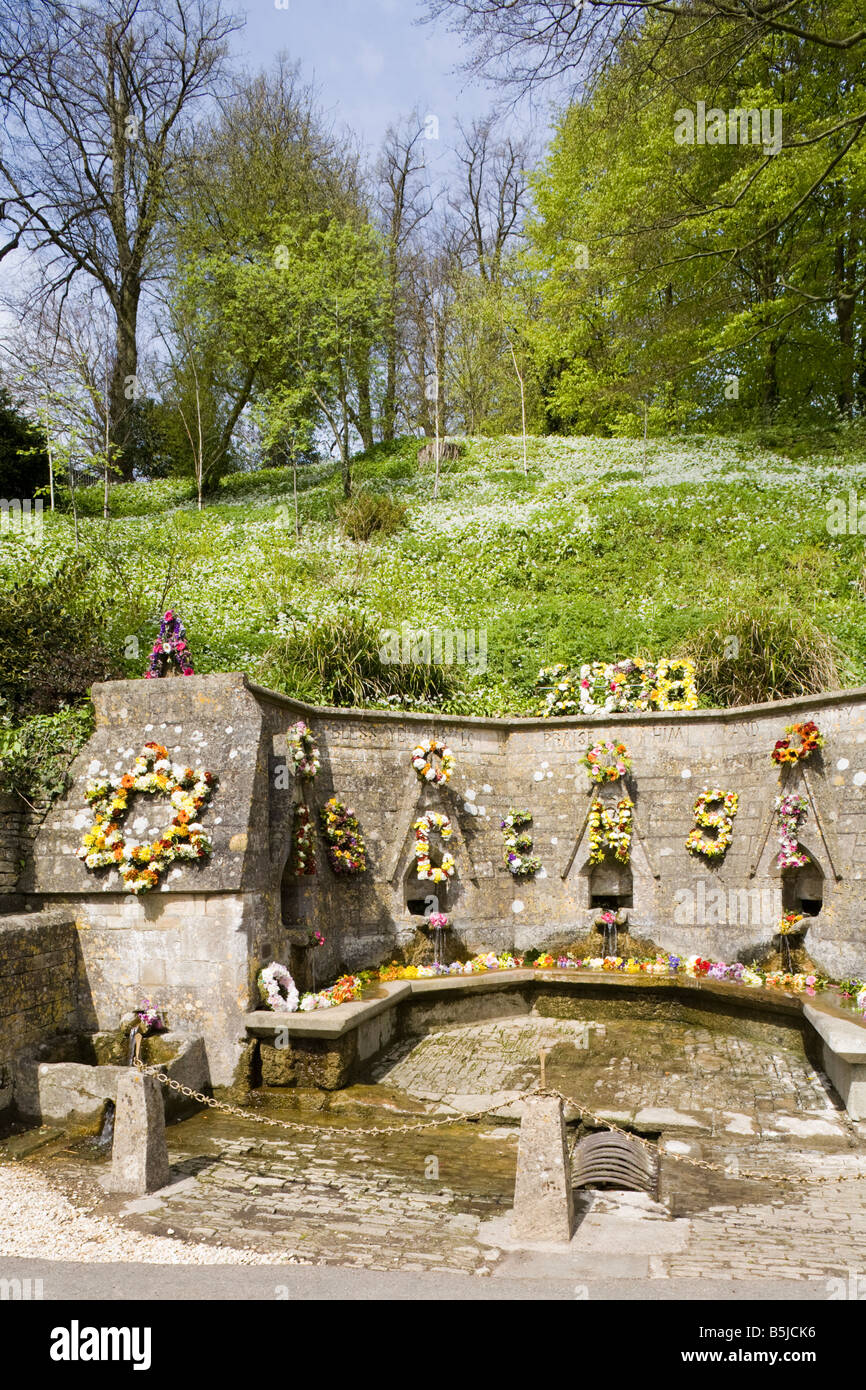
<point x="347" y="851"/>
<point x="790" y="811"/>
<point x="610" y="830"/>
<point x="720" y="821"/>
<point x="303" y="750"/>
<point x="424" y="827"/>
<point x="105" y="845"/>
<point x="518" y="860"/>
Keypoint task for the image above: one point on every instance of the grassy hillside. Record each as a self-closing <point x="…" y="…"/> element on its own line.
<point x="594" y="555"/>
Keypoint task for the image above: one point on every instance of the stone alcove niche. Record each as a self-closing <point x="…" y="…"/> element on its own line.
<point x="611" y="886"/>
<point x="419" y="893"/>
<point x="803" y="888"/>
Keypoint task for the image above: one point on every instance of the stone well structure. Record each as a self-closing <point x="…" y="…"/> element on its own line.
<point x="195" y="944"/>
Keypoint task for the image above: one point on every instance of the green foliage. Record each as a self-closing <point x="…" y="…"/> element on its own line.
<point x="35" y="755"/>
<point x="51" y="650"/>
<point x="371" y="514"/>
<point x="339" y="661"/>
<point x="670" y="272"/>
<point x="595" y="555"/>
<point x="769" y="651"/>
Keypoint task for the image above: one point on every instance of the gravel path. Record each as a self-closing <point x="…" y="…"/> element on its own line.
<point x="36" y="1218"/>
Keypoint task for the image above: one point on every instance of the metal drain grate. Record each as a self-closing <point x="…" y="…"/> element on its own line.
<point x="611" y="1160"/>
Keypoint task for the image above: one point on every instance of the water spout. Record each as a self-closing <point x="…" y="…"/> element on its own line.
<point x="437" y="945"/>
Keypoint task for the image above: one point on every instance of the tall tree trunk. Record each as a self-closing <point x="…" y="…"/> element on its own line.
<point x="364" y="420"/>
<point x="844" y="306"/>
<point x="124" y="379"/>
<point x="770" y="390"/>
<point x="389" y="400"/>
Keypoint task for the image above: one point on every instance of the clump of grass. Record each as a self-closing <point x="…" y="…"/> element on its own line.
<point x="370" y="514"/>
<point x="341" y="661"/>
<point x="763" y="652"/>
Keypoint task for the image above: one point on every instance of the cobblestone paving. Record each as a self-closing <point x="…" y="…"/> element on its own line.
<point x="622" y="1067"/>
<point x="440" y="1200"/>
<point x="413" y="1202"/>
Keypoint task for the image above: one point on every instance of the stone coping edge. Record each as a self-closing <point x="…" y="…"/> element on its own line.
<point x="844" y="1037"/>
<point x="517" y="721"/>
<point x="334" y="1023"/>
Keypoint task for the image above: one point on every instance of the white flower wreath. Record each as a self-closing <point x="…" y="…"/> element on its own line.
<point x="279" y="989"/>
<point x="422" y="755"/>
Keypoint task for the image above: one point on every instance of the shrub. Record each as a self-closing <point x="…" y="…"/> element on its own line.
<point x="35" y="755"/>
<point x="764" y="652"/>
<point x="370" y="514"/>
<point x="50" y="651"/>
<point x="338" y="661"/>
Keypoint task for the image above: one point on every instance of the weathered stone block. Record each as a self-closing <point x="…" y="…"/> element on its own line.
<point x="543" y="1197"/>
<point x="139" y="1157"/>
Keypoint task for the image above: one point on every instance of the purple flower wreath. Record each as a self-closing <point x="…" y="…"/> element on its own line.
<point x="170" y="649"/>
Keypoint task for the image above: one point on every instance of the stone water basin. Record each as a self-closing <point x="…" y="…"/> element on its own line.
<point x="71" y="1079"/>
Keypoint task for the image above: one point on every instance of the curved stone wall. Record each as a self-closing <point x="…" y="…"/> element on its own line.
<point x="198" y="941"/>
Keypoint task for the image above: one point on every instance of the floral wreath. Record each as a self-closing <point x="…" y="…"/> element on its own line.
<point x="279" y="989"/>
<point x="518" y="860"/>
<point x="607" y="762"/>
<point x="347" y="851"/>
<point x="422" y="754"/>
<point x="303" y="842"/>
<point x="721" y="821"/>
<point x="304" y="750"/>
<point x="423" y="827"/>
<point x="790" y="814"/>
<point x="610" y="830"/>
<point x="675" y="686"/>
<point x="810" y="738"/>
<point x="140" y="866"/>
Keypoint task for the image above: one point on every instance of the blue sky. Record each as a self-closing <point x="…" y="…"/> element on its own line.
<point x="371" y="60"/>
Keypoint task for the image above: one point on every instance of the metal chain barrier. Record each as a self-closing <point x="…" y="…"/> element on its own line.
<point x="242" y="1114"/>
<point x="740" y="1175"/>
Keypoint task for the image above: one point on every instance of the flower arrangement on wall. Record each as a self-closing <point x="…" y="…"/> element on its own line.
<point x="303" y="842"/>
<point x="720" y="821"/>
<point x="347" y="852"/>
<point x="791" y="811"/>
<point x="606" y="762"/>
<point x="518" y="859"/>
<point x="600" y="687"/>
<point x="801" y="743"/>
<point x="280" y="993"/>
<point x="141" y="865"/>
<point x="303" y="751"/>
<point x="150" y="1017"/>
<point x="610" y="830"/>
<point x="424" y="827"/>
<point x="675" y="685"/>
<point x="788" y="924"/>
<point x="170" y="654"/>
<point x="422" y="756"/>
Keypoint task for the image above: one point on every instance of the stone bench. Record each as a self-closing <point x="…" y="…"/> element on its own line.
<point x="843" y="1051"/>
